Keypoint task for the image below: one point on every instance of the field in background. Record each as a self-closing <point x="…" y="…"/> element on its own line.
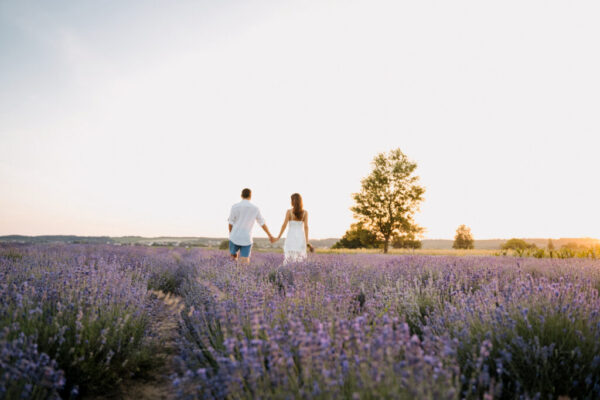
<point x="432" y="252"/>
<point x="575" y="248"/>
<point x="590" y="253"/>
<point x="261" y="242"/>
<point x="429" y="252"/>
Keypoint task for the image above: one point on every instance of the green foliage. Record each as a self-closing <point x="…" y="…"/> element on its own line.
<point x="167" y="281"/>
<point x="171" y="279"/>
<point x="224" y="245"/>
<point x="389" y="197"/>
<point x="11" y="255"/>
<point x="565" y="252"/>
<point x="517" y="244"/>
<point x="357" y="237"/>
<point x="539" y="253"/>
<point x="463" y="238"/>
<point x="550" y="244"/>
<point x="408" y="241"/>
<point x="83" y="342"/>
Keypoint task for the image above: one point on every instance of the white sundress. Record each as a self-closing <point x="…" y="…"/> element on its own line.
<point x="295" y="242"/>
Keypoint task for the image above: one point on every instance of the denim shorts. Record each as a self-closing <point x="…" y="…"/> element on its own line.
<point x="244" y="250"/>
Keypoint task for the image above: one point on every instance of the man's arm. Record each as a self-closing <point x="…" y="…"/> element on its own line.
<point x="271" y="238"/>
<point x="263" y="224"/>
<point x="232" y="218"/>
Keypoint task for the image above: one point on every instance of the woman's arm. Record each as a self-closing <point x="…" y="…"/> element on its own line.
<point x="306" y="226"/>
<point x="312" y="249"/>
<point x="285" y="222"/>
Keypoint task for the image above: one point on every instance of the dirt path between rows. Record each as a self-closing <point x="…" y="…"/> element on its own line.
<point x="157" y="386"/>
<point x="211" y="286"/>
<point x="165" y="324"/>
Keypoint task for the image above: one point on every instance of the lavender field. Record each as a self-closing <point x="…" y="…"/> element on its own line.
<point x="80" y="320"/>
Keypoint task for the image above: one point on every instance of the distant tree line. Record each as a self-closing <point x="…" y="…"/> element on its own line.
<point x="520" y="244"/>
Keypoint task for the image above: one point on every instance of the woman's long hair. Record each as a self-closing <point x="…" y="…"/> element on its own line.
<point x="297" y="208"/>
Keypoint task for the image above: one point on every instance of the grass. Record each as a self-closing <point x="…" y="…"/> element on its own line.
<point x="421" y="252"/>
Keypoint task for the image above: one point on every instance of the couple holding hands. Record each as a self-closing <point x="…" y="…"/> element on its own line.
<point x="241" y="221"/>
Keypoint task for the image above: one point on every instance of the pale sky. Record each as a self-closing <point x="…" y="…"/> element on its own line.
<point x="148" y="118"/>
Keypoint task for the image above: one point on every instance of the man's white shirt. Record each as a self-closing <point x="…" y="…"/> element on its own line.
<point x="242" y="217"/>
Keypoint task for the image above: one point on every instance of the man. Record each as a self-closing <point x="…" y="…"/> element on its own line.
<point x="241" y="222"/>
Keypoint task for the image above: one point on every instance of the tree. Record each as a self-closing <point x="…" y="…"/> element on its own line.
<point x="550" y="244"/>
<point x="389" y="197"/>
<point x="517" y="244"/>
<point x="224" y="245"/>
<point x="357" y="237"/>
<point x="463" y="238"/>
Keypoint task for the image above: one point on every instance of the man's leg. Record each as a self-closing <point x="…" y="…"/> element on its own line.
<point x="245" y="254"/>
<point x="233" y="250"/>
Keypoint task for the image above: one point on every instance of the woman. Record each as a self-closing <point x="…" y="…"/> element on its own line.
<point x="297" y="236"/>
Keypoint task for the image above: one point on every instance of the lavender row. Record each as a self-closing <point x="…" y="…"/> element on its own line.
<point x="74" y="319"/>
<point x="374" y="326"/>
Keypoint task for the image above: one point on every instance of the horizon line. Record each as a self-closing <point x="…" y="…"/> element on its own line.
<point x="264" y="237"/>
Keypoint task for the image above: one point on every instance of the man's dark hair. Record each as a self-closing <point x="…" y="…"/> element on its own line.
<point x="246" y="193"/>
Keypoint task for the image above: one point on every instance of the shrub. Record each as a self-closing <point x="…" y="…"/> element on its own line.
<point x="357" y="237"/>
<point x="86" y="313"/>
<point x="407" y="242"/>
<point x="517" y="244"/>
<point x="543" y="337"/>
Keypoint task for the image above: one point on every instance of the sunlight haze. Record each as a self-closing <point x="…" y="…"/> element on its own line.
<point x="149" y="118"/>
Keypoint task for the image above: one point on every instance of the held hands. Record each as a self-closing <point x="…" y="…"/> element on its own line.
<point x="273" y="239"/>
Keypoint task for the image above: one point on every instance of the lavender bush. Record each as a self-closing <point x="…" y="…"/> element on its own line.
<point x="73" y="318"/>
<point x="25" y="372"/>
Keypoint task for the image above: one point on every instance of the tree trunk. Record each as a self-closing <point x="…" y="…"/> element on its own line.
<point x="386" y="244"/>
